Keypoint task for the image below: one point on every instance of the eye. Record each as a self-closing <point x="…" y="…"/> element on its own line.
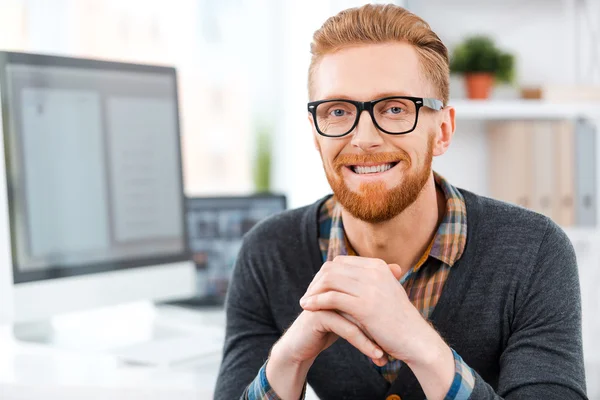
<point x="395" y="110"/>
<point x="335" y="110"/>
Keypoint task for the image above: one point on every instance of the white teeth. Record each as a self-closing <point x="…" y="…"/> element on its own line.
<point x="372" y="170"/>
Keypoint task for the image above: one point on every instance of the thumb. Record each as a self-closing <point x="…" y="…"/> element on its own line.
<point x="396" y="270"/>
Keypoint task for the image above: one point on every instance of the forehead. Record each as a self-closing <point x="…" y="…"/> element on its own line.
<point x="366" y="72"/>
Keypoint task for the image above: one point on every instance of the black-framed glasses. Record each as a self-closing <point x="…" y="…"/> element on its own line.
<point x="394" y="115"/>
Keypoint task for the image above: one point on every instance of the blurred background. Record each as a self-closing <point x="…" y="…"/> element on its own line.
<point x="525" y="83"/>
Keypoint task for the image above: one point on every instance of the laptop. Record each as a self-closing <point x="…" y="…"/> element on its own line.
<point x="216" y="227"/>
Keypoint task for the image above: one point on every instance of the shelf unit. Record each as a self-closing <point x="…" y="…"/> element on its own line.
<point x="472" y="116"/>
<point x="522" y="109"/>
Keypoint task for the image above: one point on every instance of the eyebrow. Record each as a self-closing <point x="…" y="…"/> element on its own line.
<point x="377" y="96"/>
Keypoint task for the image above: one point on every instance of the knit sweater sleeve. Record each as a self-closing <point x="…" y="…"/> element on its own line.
<point x="250" y="328"/>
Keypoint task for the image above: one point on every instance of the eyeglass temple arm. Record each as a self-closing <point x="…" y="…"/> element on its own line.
<point x="434" y="104"/>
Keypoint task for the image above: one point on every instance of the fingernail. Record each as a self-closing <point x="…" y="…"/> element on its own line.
<point x="303" y="302"/>
<point x="378" y="353"/>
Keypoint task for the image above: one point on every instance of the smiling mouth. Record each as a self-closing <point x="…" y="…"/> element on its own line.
<point x="372" y="169"/>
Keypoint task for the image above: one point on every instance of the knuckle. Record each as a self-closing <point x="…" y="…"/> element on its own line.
<point x="326" y="281"/>
<point x="351" y="331"/>
<point x="330" y="298"/>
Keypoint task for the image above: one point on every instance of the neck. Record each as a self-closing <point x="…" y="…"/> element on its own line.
<point x="403" y="239"/>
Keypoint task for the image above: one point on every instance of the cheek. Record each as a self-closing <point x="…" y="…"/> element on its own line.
<point x="415" y="147"/>
<point x="329" y="149"/>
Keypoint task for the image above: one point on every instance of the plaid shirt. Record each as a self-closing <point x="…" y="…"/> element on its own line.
<point x="423" y="283"/>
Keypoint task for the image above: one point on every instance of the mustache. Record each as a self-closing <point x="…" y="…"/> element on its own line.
<point x="376" y="158"/>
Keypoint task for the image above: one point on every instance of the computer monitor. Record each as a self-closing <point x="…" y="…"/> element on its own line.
<point x="216" y="226"/>
<point x="93" y="210"/>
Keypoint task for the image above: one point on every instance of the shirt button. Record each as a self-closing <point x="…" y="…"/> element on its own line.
<point x="394" y="397"/>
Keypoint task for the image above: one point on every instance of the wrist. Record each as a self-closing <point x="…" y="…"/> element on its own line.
<point x="423" y="347"/>
<point x="434" y="369"/>
<point x="286" y="375"/>
<point x="285" y="356"/>
<point x="431" y="355"/>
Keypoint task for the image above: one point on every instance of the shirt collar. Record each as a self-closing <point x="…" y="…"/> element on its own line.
<point x="448" y="243"/>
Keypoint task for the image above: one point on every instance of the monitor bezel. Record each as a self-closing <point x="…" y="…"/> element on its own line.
<point x="229" y="201"/>
<point x="58" y="271"/>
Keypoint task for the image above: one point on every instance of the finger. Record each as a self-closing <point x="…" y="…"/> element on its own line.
<point x="328" y="265"/>
<point x="331" y="267"/>
<point x="364" y="262"/>
<point x="343" y="281"/>
<point x="396" y="270"/>
<point x="331" y="300"/>
<point x="339" y="325"/>
<point x="380" y="362"/>
<point x="345" y="278"/>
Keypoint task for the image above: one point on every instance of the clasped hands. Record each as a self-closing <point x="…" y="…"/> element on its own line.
<point x="360" y="300"/>
<point x="367" y="292"/>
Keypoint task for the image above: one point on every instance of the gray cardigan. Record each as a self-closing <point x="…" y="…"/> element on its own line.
<point x="511" y="308"/>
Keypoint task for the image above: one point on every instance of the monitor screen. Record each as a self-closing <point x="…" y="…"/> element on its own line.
<point x="93" y="165"/>
<point x="216" y="229"/>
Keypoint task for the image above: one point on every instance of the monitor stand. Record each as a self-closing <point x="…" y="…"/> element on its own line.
<point x="140" y="333"/>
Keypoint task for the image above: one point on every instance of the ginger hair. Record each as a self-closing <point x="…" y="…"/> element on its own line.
<point x="378" y="24"/>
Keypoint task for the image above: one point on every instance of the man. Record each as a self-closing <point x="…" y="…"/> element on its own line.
<point x="400" y="285"/>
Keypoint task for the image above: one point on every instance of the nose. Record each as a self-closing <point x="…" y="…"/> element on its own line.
<point x="366" y="136"/>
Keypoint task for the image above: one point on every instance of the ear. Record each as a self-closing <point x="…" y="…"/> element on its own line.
<point x="445" y="133"/>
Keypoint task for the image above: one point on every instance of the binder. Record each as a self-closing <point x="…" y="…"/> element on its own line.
<point x="510" y="173"/>
<point x="586" y="169"/>
<point x="564" y="205"/>
<point x="543" y="166"/>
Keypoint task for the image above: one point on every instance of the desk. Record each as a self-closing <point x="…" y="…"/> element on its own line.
<point x="34" y="374"/>
<point x="31" y="371"/>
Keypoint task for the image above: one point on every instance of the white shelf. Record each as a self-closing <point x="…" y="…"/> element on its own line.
<point x="526" y="109"/>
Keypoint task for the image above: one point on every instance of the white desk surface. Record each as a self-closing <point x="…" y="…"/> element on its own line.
<point x="31" y="371"/>
<point x="35" y="372"/>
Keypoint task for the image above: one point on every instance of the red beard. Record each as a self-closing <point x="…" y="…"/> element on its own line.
<point x="375" y="203"/>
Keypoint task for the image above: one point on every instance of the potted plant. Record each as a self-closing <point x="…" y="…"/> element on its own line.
<point x="482" y="64"/>
<point x="262" y="158"/>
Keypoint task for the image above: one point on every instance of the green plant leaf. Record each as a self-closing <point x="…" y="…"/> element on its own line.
<point x="480" y="54"/>
<point x="262" y="159"/>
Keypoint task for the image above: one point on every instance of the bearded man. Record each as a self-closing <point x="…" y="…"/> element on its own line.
<point x="400" y="285"/>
